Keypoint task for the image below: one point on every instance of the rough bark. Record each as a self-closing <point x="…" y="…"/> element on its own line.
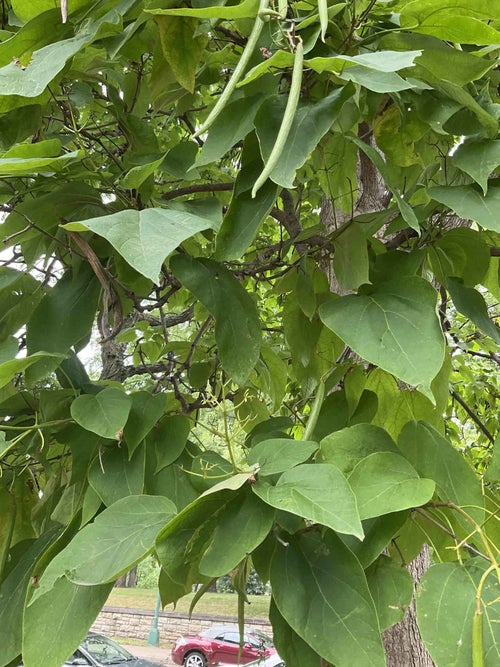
<point x="402" y="643"/>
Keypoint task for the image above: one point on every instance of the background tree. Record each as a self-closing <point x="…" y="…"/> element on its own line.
<point x="282" y="223"/>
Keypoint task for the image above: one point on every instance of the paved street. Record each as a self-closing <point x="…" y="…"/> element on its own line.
<point x="159" y="655"/>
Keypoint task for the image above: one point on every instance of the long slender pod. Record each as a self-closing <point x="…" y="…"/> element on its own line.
<point x="288" y="116"/>
<point x="238" y="70"/>
<point x="477" y="640"/>
<point x="323" y="17"/>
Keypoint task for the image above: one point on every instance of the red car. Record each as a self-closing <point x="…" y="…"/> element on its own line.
<point x="221" y="645"/>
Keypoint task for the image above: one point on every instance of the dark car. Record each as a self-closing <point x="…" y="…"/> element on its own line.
<point x="221" y="645"/>
<point x="97" y="651"/>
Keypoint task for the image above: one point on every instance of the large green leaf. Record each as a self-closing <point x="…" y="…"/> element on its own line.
<point x="391" y="587"/>
<point x="468" y="202"/>
<point x="170" y="437"/>
<point x="183" y="541"/>
<point x="478" y="159"/>
<point x="145" y="411"/>
<point x="145" y="238"/>
<point x="452" y="20"/>
<point x="105" y="413"/>
<point x="329" y="604"/>
<point x="347" y="447"/>
<point x="446" y="604"/>
<point x="113" y="476"/>
<point x="290" y="645"/>
<point x="9" y="369"/>
<point x="385" y="482"/>
<point x="50" y="644"/>
<point x="435" y="458"/>
<point x="310" y="123"/>
<point x="181" y="46"/>
<point x="245" y="213"/>
<point x="387" y="326"/>
<point x="237" y="328"/>
<point x="318" y="492"/>
<point x="110" y="546"/>
<point x="240" y="528"/>
<point x="46" y="62"/>
<point x="471" y="303"/>
<point x="64" y="316"/>
<point x="279" y="454"/>
<point x="13" y="592"/>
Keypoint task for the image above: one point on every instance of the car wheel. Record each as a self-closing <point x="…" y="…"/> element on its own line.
<point x="195" y="659"/>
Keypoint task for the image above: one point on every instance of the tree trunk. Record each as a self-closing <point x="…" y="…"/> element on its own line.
<point x="402" y="643"/>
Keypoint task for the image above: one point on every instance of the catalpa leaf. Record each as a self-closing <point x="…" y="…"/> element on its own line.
<point x="318" y="492"/>
<point x="385" y="482"/>
<point x="110" y="546"/>
<point x="468" y="202"/>
<point x="387" y="326"/>
<point x="328" y="604"/>
<point x="237" y="327"/>
<point x="145" y="238"/>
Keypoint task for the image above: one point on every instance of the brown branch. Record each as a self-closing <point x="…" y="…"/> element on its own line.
<point x="472" y="415"/>
<point x="201" y="187"/>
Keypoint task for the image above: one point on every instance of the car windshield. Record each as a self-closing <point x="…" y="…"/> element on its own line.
<point x="105" y="650"/>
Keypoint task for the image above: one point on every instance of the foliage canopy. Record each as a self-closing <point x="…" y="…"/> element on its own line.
<point x="280" y="222"/>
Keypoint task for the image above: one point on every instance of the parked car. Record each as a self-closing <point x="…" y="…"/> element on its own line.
<point x="99" y="651"/>
<point x="222" y="645"/>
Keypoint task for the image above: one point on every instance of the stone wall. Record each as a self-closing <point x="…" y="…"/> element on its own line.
<point x="136" y="623"/>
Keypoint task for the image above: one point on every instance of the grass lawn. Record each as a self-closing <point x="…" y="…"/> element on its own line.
<point x="218" y="604"/>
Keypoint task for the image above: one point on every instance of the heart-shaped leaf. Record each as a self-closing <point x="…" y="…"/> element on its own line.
<point x="318" y="492"/>
<point x="385" y="482"/>
<point x="387" y="326"/>
<point x="145" y="238"/>
<point x="105" y="413"/>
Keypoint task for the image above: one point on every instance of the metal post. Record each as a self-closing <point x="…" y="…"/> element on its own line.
<point x="154" y="633"/>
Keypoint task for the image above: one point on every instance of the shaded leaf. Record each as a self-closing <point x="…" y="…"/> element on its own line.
<point x="145" y="410"/>
<point x="51" y="644"/>
<point x="110" y="546"/>
<point x="391" y="587"/>
<point x="237" y="328"/>
<point x="471" y="303"/>
<point x="105" y="413"/>
<point x="434" y="457"/>
<point x="113" y="476"/>
<point x="240" y="528"/>
<point x="385" y="482"/>
<point x="446" y="603"/>
<point x="468" y="202"/>
<point x="170" y="437"/>
<point x="329" y="591"/>
<point x="318" y="492"/>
